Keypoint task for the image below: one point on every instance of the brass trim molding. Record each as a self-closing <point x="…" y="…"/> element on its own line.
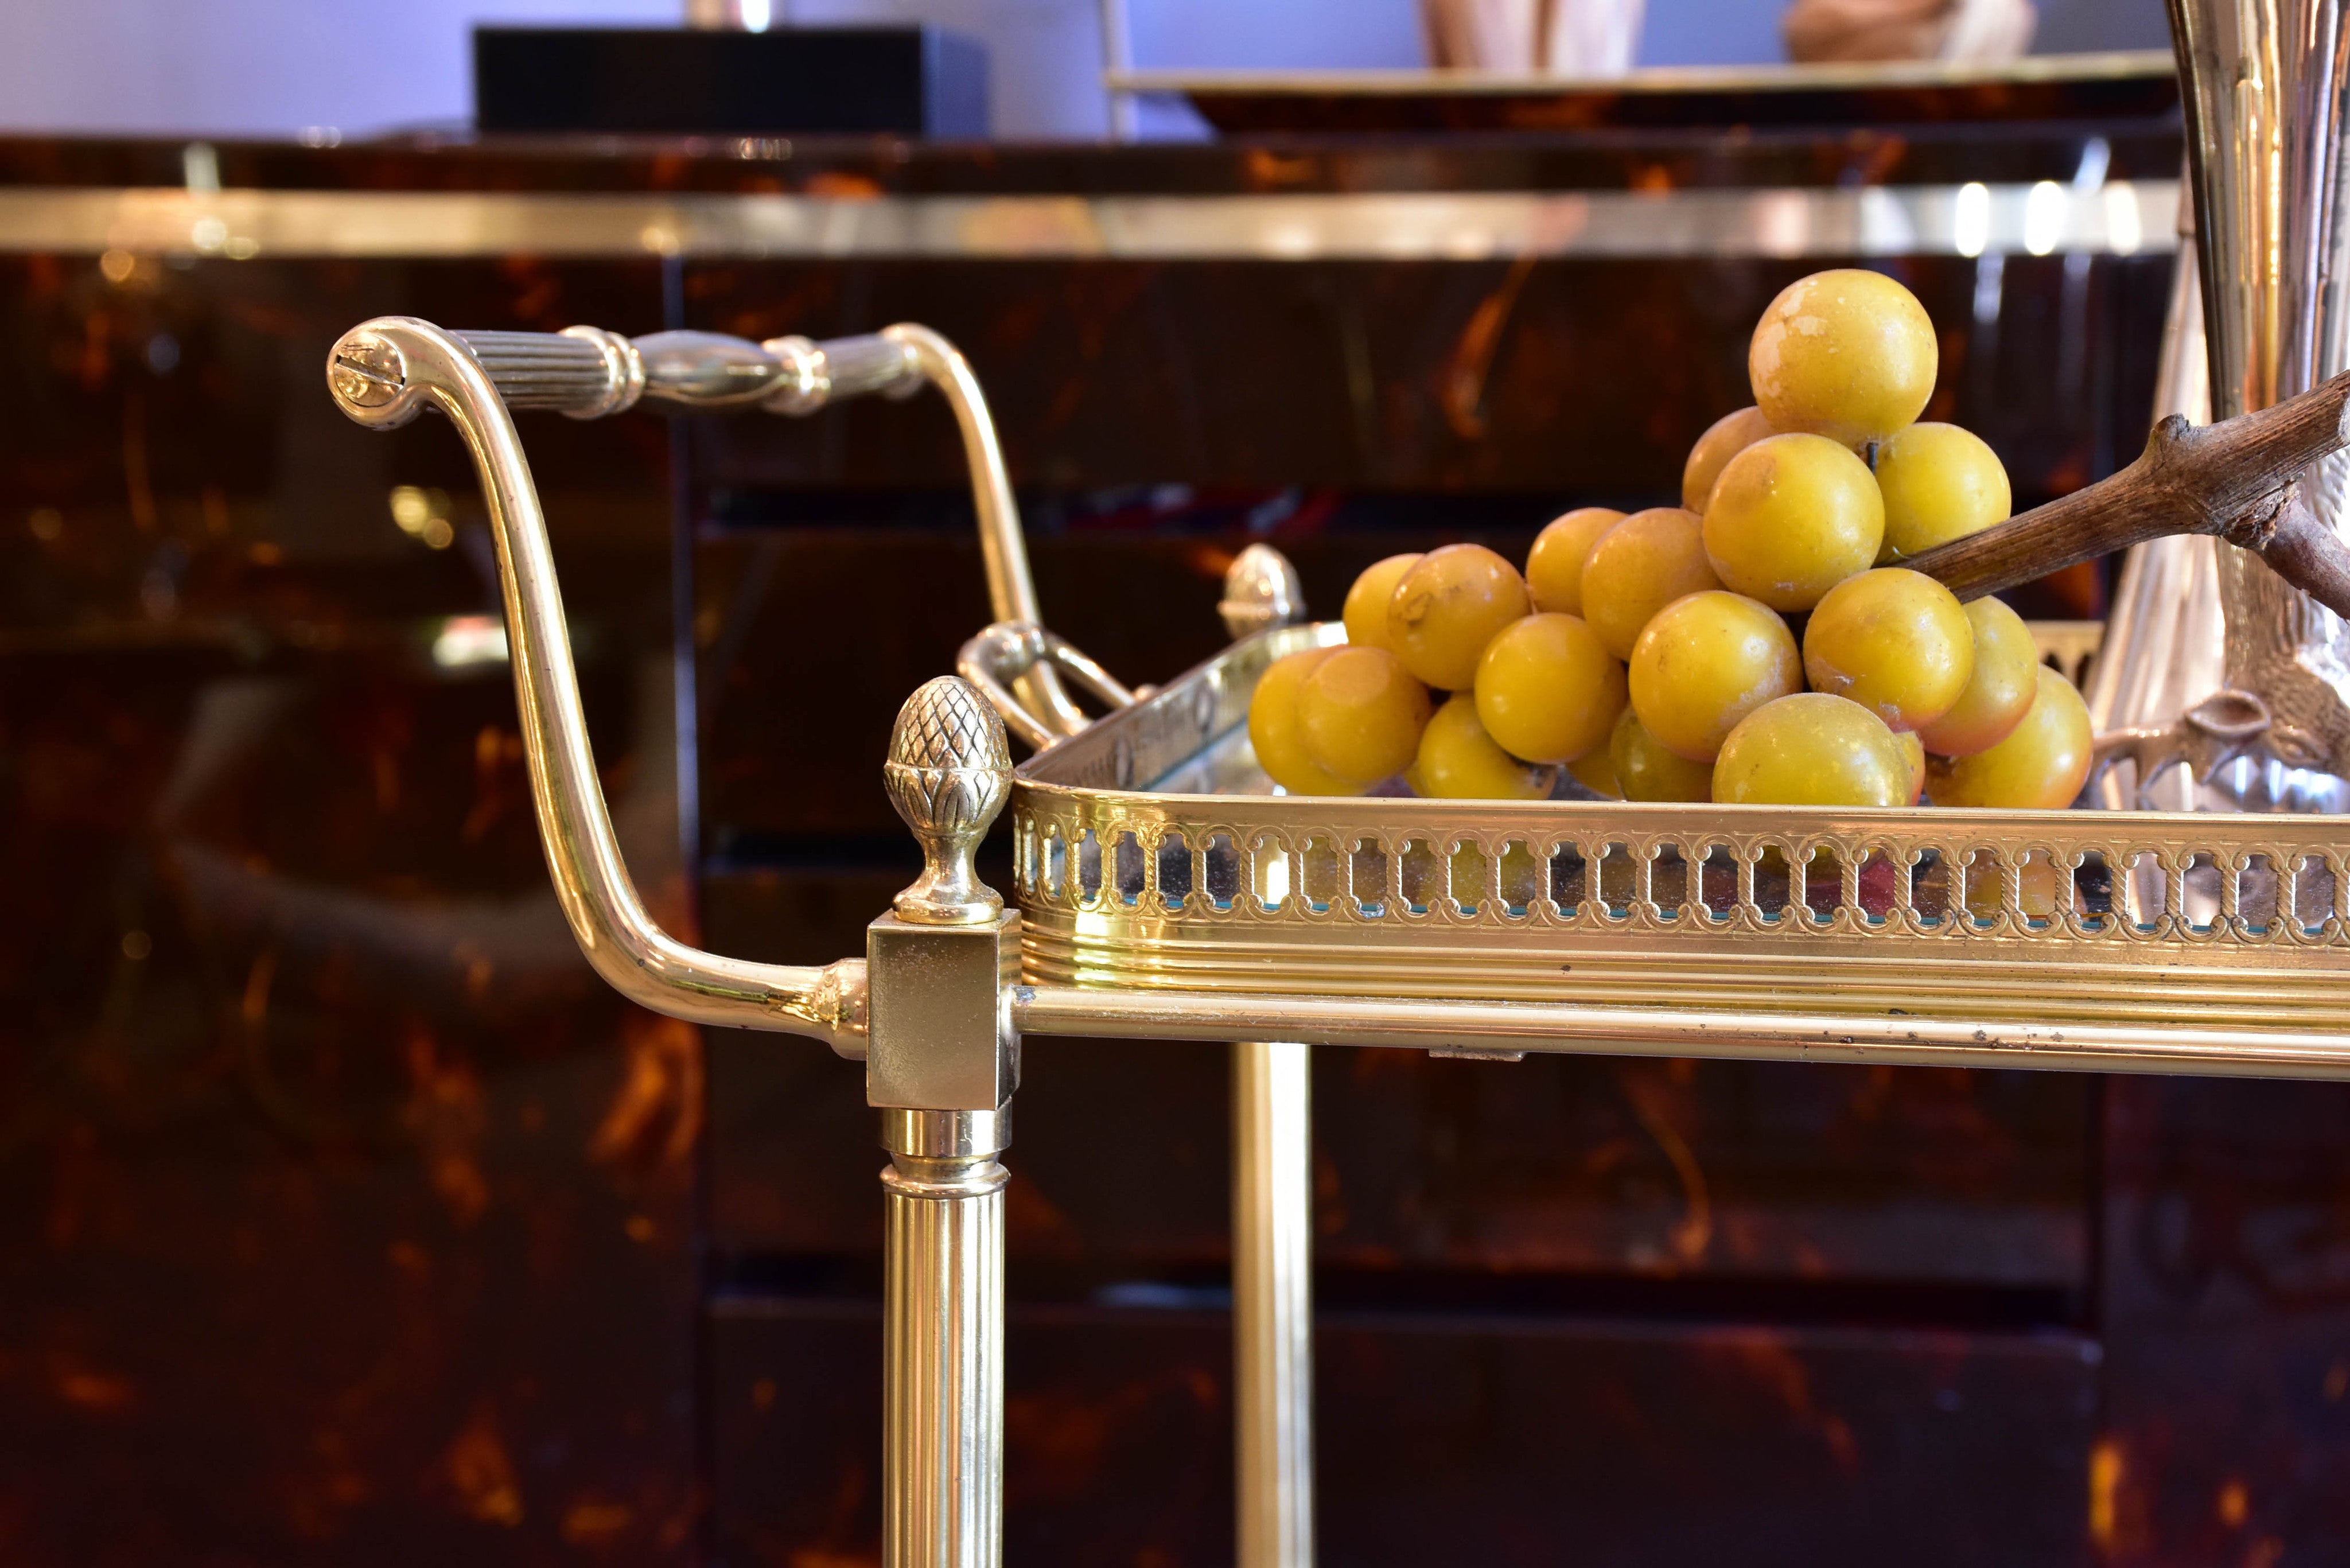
<point x="2117" y="218"/>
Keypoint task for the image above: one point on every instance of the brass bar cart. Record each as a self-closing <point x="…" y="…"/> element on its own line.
<point x="1165" y="892"/>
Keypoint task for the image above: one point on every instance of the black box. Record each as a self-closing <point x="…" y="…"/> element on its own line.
<point x="910" y="81"/>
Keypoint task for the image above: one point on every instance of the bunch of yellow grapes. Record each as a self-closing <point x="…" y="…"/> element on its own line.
<point x="1652" y="656"/>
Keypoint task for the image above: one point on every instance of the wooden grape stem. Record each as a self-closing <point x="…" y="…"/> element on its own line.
<point x="2238" y="480"/>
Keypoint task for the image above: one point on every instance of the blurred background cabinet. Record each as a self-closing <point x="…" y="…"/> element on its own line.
<point x="344" y="1218"/>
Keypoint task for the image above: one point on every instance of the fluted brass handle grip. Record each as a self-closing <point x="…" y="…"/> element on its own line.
<point x="583" y="372"/>
<point x="586" y="372"/>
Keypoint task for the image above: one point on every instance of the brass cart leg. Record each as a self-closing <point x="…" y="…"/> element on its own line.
<point x="1272" y="1214"/>
<point x="942" y="1063"/>
<point x="942" y="1323"/>
<point x="1273" y="1303"/>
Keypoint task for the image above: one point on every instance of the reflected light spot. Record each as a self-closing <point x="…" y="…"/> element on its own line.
<point x="1970" y="218"/>
<point x="1782" y="223"/>
<point x="2044" y="217"/>
<point x="1276" y="878"/>
<point x="423" y="513"/>
<point x="468" y="641"/>
<point x="2096" y="157"/>
<point x="1293" y="240"/>
<point x="409" y="508"/>
<point x="2106" y="1472"/>
<point x="1990" y="278"/>
<point x="2125" y="230"/>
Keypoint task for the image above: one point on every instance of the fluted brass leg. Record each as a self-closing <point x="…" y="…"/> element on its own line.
<point x="1272" y="1304"/>
<point x="942" y="1323"/>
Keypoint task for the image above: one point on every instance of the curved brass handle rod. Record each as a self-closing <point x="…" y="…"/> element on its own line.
<point x="380" y="374"/>
<point x="1011" y="651"/>
<point x="1011" y="588"/>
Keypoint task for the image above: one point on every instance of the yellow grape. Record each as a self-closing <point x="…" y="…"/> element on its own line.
<point x="1555" y="566"/>
<point x="1792" y="516"/>
<point x="1846" y="354"/>
<point x="1640" y="566"/>
<point x="2000" y="692"/>
<point x="1448" y="607"/>
<point x="1272" y="728"/>
<point x="1458" y="761"/>
<point x="1595" y="771"/>
<point x="1366" y="613"/>
<point x="2041" y="765"/>
<point x="1913" y="752"/>
<point x="1811" y="749"/>
<point x="1939" y="482"/>
<point x="1546" y="691"/>
<point x="1724" y="439"/>
<point x="1644" y="770"/>
<point x="1359" y="712"/>
<point x="1895" y="641"/>
<point x="1706" y="662"/>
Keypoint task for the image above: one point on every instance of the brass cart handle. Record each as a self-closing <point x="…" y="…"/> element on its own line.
<point x="1009" y="651"/>
<point x="381" y="374"/>
<point x="585" y="373"/>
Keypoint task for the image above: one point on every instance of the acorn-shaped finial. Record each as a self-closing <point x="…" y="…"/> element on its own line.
<point x="948" y="772"/>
